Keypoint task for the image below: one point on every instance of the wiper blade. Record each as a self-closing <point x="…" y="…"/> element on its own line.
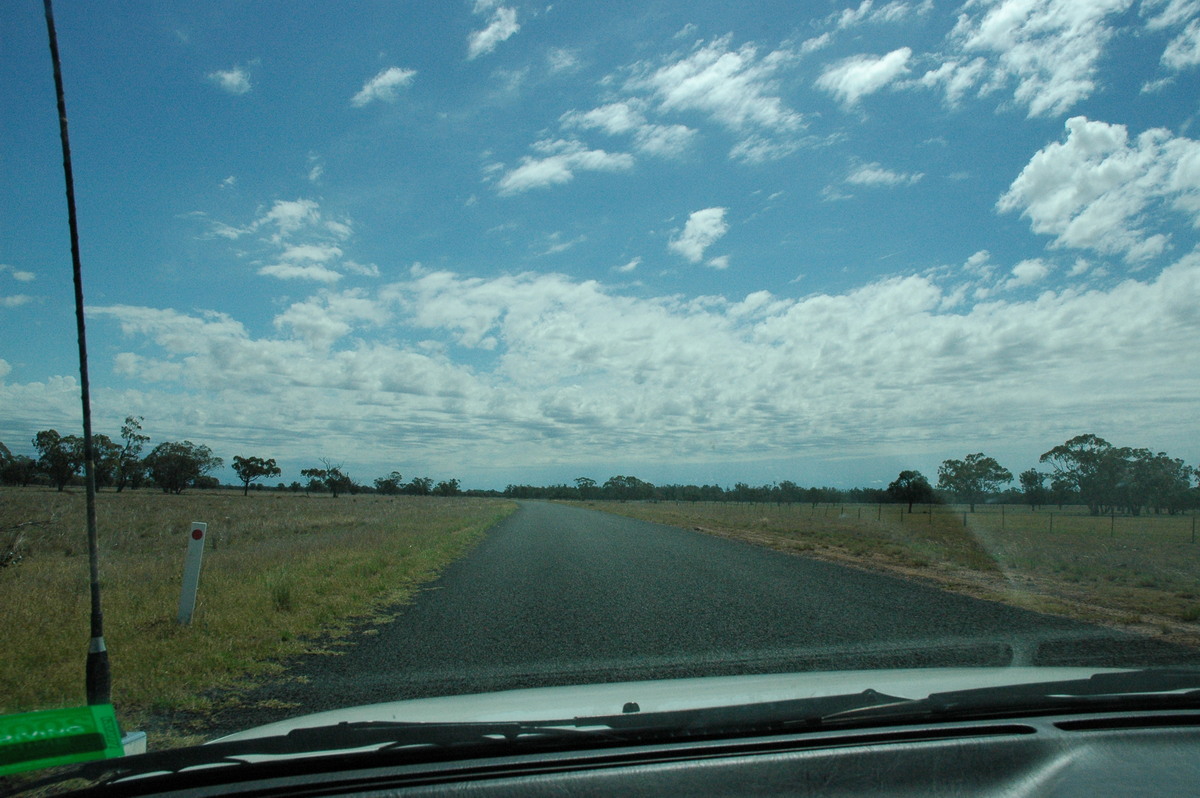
<point x="1145" y="689"/>
<point x="382" y="736"/>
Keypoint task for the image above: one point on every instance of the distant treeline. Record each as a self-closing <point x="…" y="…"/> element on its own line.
<point x="1086" y="470"/>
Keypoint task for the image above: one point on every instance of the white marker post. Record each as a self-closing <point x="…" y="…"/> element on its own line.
<point x="191" y="571"/>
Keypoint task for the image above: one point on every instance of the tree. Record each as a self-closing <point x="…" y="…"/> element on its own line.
<point x="389" y="485"/>
<point x="59" y="457"/>
<point x="1089" y="465"/>
<point x="174" y="466"/>
<point x="131" y="471"/>
<point x="586" y="487"/>
<point x="449" y="487"/>
<point x="1031" y="487"/>
<point x="252" y="469"/>
<point x="973" y="477"/>
<point x="910" y="487"/>
<point x="330" y="477"/>
<point x="419" y="486"/>
<point x="106" y="456"/>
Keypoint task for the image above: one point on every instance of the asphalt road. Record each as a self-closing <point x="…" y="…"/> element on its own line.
<point x="559" y="595"/>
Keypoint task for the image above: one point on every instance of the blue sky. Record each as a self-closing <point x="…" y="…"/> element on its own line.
<point x="695" y="242"/>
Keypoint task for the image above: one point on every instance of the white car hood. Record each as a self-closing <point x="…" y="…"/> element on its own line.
<point x="559" y="703"/>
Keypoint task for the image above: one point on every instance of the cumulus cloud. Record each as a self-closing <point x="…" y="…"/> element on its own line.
<point x="557" y="162"/>
<point x="602" y="376"/>
<point x="1100" y="190"/>
<point x="384" y="86"/>
<point x="734" y="87"/>
<point x="501" y="26"/>
<point x="234" y="81"/>
<point x="298" y="242"/>
<point x="701" y="231"/>
<point x="1048" y="49"/>
<point x="626" y="118"/>
<point x="851" y="79"/>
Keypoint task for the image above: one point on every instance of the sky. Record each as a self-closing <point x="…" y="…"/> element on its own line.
<point x="695" y="242"/>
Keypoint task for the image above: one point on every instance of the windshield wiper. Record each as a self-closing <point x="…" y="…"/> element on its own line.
<point x="1144" y="689"/>
<point x="485" y="737"/>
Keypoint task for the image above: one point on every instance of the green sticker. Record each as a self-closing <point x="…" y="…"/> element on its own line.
<point x="53" y="737"/>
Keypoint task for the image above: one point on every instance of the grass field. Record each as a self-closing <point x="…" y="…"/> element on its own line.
<point x="1138" y="573"/>
<point x="280" y="570"/>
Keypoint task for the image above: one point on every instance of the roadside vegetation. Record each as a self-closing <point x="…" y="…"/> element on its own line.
<point x="281" y="571"/>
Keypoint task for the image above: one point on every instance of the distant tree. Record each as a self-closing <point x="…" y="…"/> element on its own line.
<point x="329" y="477"/>
<point x="131" y="470"/>
<point x="586" y="487"/>
<point x="106" y="457"/>
<point x="60" y="457"/>
<point x="20" y="470"/>
<point x="1087" y="464"/>
<point x="175" y="466"/>
<point x="252" y="469"/>
<point x="973" y="478"/>
<point x="1031" y="487"/>
<point x="449" y="487"/>
<point x="389" y="485"/>
<point x="419" y="486"/>
<point x="1159" y="482"/>
<point x="910" y="487"/>
<point x="625" y="488"/>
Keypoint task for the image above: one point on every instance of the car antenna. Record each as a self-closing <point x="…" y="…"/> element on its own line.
<point x="99" y="679"/>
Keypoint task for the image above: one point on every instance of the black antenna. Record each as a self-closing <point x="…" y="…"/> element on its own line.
<point x="99" y="679"/>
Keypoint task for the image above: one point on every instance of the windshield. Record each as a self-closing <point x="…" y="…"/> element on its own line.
<point x="442" y="349"/>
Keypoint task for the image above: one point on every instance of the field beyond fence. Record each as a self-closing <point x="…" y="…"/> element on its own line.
<point x="279" y="569"/>
<point x="1140" y="573"/>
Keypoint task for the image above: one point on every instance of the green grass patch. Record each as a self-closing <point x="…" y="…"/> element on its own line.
<point x="280" y="569"/>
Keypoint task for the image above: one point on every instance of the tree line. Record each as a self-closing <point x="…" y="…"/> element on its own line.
<point x="1085" y="470"/>
<point x="174" y="466"/>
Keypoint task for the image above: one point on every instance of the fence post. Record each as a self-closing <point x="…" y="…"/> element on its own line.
<point x="191" y="571"/>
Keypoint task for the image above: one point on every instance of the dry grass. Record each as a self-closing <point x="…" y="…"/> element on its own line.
<point x="1139" y="573"/>
<point x="280" y="569"/>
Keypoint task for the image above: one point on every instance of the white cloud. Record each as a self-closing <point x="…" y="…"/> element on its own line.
<point x="851" y="79"/>
<point x="626" y="268"/>
<point x="736" y="88"/>
<point x="1028" y="272"/>
<point x="384" y="86"/>
<point x="234" y="81"/>
<point x="1184" y="50"/>
<point x="867" y="11"/>
<point x="501" y="26"/>
<point x="298" y="242"/>
<point x="562" y="60"/>
<point x="1050" y="49"/>
<point x="701" y="231"/>
<point x="626" y="117"/>
<point x="601" y="376"/>
<point x="559" y="162"/>
<point x="1099" y="190"/>
<point x="955" y="78"/>
<point x="874" y="174"/>
<point x="15" y="300"/>
<point x="20" y="275"/>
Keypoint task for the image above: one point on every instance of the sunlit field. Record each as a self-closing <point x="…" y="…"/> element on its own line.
<point x="281" y="572"/>
<point x="1139" y="572"/>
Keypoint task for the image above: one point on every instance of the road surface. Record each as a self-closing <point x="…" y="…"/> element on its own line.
<point x="561" y="595"/>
